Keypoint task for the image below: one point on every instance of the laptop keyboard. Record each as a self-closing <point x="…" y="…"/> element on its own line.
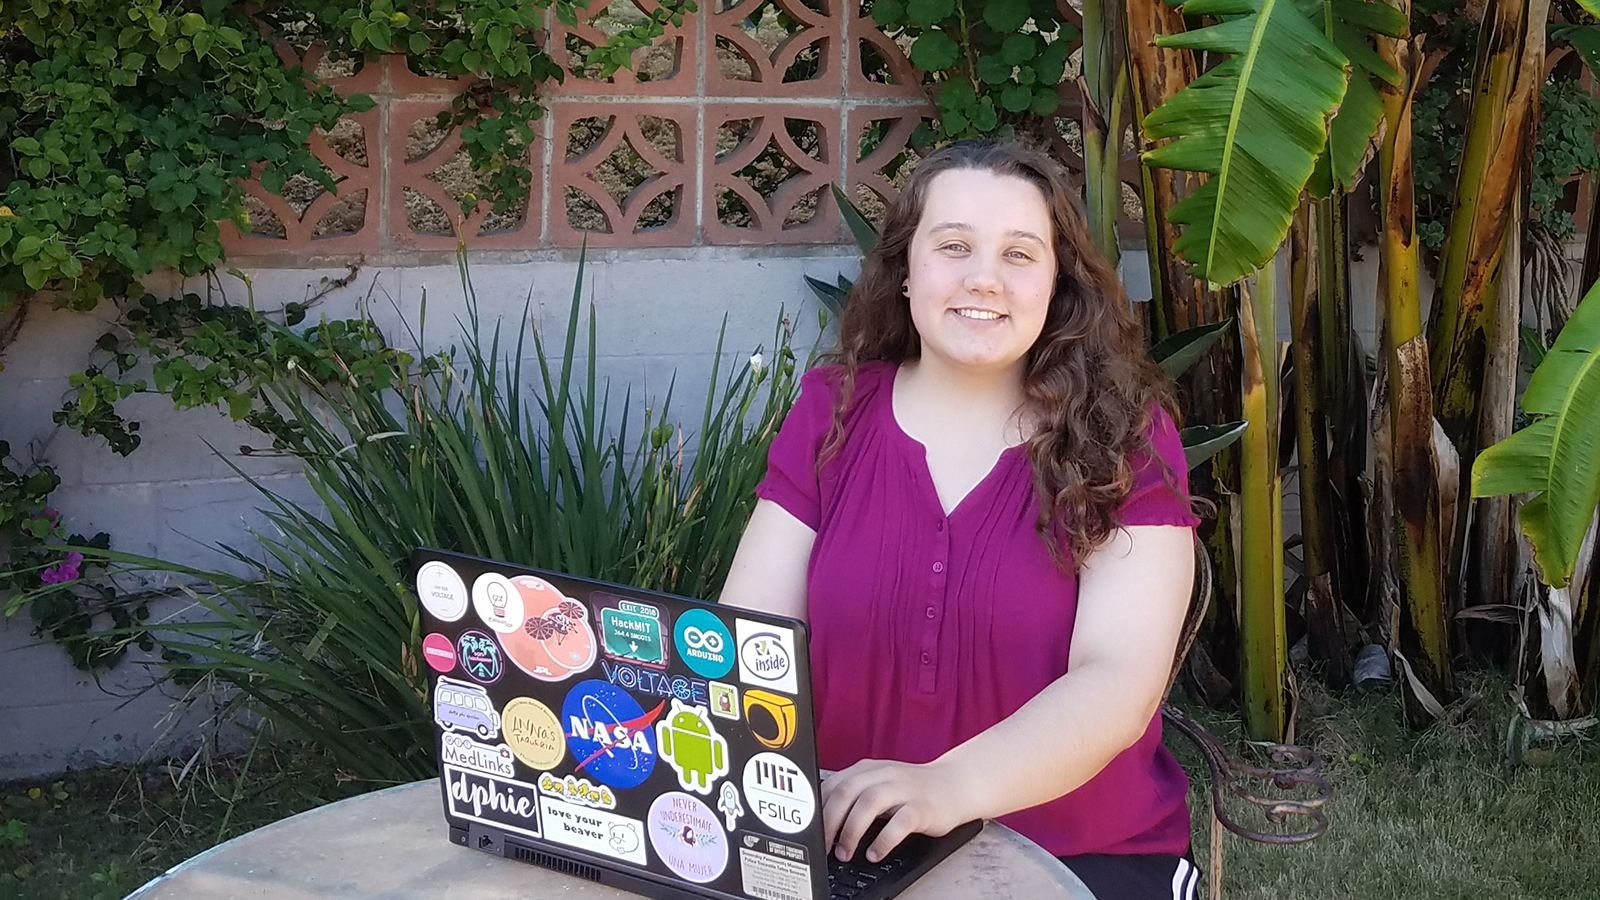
<point x="851" y="880"/>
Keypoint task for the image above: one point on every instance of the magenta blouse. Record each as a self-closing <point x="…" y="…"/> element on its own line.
<point x="927" y="629"/>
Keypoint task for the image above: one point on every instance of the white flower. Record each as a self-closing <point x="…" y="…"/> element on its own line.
<point x="755" y="363"/>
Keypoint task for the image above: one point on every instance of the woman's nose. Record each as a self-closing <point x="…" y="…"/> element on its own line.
<point x="983" y="276"/>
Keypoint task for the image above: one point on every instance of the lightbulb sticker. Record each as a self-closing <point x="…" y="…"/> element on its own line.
<point x="497" y="602"/>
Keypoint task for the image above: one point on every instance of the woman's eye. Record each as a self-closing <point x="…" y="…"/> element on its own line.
<point x="1020" y="255"/>
<point x="954" y="247"/>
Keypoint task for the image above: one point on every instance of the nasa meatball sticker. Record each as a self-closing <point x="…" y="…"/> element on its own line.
<point x="611" y="737"/>
<point x="686" y="740"/>
<point x="555" y="638"/>
<point x="441" y="591"/>
<point x="778" y="793"/>
<point x="766" y="655"/>
<point x="439" y="652"/>
<point x="492" y="800"/>
<point x="496" y="601"/>
<point x="594" y="830"/>
<point x="685" y="834"/>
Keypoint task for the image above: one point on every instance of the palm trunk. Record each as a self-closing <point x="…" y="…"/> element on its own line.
<point x="1324" y="622"/>
<point x="1106" y="83"/>
<point x="1421" y="633"/>
<point x="1509" y="74"/>
<point x="1262" y="631"/>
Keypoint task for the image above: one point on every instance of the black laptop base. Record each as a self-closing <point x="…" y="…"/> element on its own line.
<point x="853" y="880"/>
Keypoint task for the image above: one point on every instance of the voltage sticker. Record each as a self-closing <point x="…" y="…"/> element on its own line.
<point x="441" y="591"/>
<point x="649" y="681"/>
<point x="501" y="802"/>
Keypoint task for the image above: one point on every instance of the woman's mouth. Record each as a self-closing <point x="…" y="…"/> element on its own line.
<point x="982" y="315"/>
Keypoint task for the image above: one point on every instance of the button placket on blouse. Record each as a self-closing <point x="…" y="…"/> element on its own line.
<point x="928" y="670"/>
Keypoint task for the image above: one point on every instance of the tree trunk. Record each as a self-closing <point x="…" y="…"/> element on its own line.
<point x="1106" y="84"/>
<point x="1421" y="635"/>
<point x="1266" y="654"/>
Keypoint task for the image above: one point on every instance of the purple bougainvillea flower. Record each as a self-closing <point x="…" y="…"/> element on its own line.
<point x="64" y="571"/>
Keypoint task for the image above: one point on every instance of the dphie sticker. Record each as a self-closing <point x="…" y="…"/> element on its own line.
<point x="439" y="652"/>
<point x="724" y="700"/>
<point x="609" y="734"/>
<point x="555" y="640"/>
<point x="501" y="802"/>
<point x="463" y="706"/>
<point x="649" y="681"/>
<point x="479" y="656"/>
<point x="771" y="717"/>
<point x="497" y="602"/>
<point x="766" y="655"/>
<point x="460" y="750"/>
<point x="774" y="870"/>
<point x="685" y="834"/>
<point x="703" y="643"/>
<point x="577" y="790"/>
<point x="441" y="591"/>
<point x="779" y="793"/>
<point x="728" y="804"/>
<point x="631" y="631"/>
<point x="686" y="740"/>
<point x="534" y="733"/>
<point x="593" y="830"/>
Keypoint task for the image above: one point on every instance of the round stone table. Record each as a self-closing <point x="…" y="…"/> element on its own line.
<point x="392" y="845"/>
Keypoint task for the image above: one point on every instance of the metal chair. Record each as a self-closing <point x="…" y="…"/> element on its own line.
<point x="1292" y="767"/>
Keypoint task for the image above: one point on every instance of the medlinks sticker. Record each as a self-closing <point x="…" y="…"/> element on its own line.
<point x="766" y="655"/>
<point x="501" y="802"/>
<point x="460" y="750"/>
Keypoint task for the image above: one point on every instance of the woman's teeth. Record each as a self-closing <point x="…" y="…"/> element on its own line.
<point x="977" y="314"/>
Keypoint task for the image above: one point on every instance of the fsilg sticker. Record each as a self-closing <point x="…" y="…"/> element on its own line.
<point x="779" y="793"/>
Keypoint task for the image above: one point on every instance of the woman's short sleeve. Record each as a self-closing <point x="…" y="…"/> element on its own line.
<point x="1152" y="501"/>
<point x="791" y="480"/>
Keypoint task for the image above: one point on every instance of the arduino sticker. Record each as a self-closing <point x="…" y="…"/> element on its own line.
<point x="703" y="643"/>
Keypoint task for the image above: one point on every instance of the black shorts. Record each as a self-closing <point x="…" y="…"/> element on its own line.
<point x="1144" y="876"/>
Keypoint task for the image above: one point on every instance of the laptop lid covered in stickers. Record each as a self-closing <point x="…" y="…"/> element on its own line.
<point x="654" y="742"/>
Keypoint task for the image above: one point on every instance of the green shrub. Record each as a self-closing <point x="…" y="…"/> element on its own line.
<point x="321" y="634"/>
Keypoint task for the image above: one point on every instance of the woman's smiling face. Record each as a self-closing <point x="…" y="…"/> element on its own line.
<point x="982" y="267"/>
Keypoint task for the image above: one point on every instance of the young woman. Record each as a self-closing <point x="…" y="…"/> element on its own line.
<point x="981" y="510"/>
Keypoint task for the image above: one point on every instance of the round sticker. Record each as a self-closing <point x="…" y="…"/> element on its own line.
<point x="497" y="602"/>
<point x="533" y="732"/>
<point x="555" y="639"/>
<point x="687" y="837"/>
<point x="439" y="652"/>
<point x="441" y="591"/>
<point x="779" y="793"/>
<point x="704" y="643"/>
<point x="609" y="734"/>
<point x="479" y="656"/>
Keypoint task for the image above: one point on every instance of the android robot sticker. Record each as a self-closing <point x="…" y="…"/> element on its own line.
<point x="686" y="740"/>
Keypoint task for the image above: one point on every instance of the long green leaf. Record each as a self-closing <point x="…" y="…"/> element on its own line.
<point x="1177" y="353"/>
<point x="1201" y="442"/>
<point x="1256" y="123"/>
<point x="865" y="233"/>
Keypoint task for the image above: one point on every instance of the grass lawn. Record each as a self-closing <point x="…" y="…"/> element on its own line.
<point x="1414" y="815"/>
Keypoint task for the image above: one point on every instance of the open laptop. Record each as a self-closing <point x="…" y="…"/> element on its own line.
<point x="653" y="743"/>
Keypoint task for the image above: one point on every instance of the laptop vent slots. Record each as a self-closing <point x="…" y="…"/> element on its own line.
<point x="564" y="866"/>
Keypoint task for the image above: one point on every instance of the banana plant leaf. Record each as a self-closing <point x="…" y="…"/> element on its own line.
<point x="1583" y="38"/>
<point x="1351" y="25"/>
<point x="1201" y="442"/>
<point x="1257" y="123"/>
<point x="1177" y="353"/>
<point x="1558" y="456"/>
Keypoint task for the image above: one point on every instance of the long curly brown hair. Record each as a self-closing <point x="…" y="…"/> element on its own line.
<point x="1088" y="378"/>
